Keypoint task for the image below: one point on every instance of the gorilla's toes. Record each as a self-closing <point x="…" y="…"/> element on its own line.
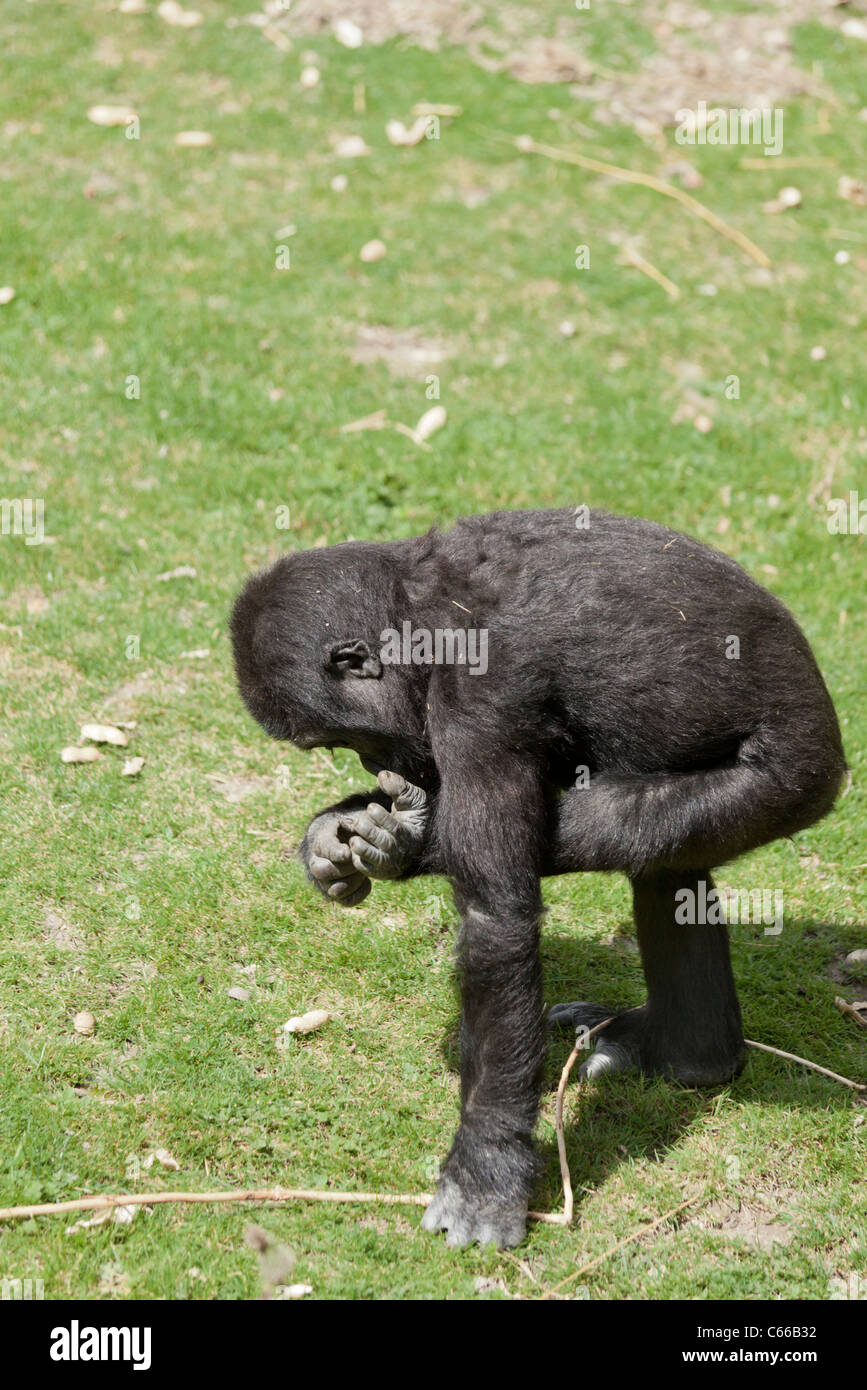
<point x="467" y="1218"/>
<point x="638" y="1040"/>
<point x="578" y="1015"/>
<point x="616" y="1048"/>
<point x="610" y="1057"/>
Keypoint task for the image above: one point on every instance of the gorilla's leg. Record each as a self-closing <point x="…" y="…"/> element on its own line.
<point x="639" y="823"/>
<point x="690" y="1027"/>
<point x="666" y="832"/>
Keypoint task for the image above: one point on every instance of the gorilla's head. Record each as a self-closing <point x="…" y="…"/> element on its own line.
<point x="307" y="634"/>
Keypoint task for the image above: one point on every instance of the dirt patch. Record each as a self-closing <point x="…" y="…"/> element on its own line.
<point x="745" y="1221"/>
<point x="500" y="38"/>
<point x="59" y="931"/>
<point x="237" y="788"/>
<point x="406" y="352"/>
<point x="737" y="60"/>
<point x="429" y="23"/>
<point x="125" y="702"/>
<point x="742" y="59"/>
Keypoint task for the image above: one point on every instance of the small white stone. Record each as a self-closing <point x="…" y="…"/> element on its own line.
<point x="373" y="251"/>
<point x="104" y="733"/>
<point x="307" y="1023"/>
<point x="348" y="33"/>
<point x="175" y="14"/>
<point x="430" y="422"/>
<point x="351" y="147"/>
<point x="854" y="28"/>
<point x="71" y="754"/>
<point x="111" y="115"/>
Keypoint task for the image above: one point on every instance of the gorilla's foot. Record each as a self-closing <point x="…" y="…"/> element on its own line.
<point x="700" y="1052"/>
<point x="467" y="1217"/>
<point x="484" y="1187"/>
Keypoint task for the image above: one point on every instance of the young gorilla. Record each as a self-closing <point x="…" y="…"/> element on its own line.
<point x="611" y="649"/>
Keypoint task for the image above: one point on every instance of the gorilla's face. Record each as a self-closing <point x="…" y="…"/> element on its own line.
<point x="304" y="682"/>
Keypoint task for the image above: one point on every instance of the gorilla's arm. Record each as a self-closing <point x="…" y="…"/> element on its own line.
<point x="618" y="823"/>
<point x="385" y="834"/>
<point x="489" y="824"/>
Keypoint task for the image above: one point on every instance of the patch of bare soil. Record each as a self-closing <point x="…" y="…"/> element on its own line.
<point x="237" y="788"/>
<point x="738" y="60"/>
<point x="125" y="702"/>
<point x="406" y="352"/>
<point x="59" y="931"/>
<point x="429" y="23"/>
<point x="745" y="1221"/>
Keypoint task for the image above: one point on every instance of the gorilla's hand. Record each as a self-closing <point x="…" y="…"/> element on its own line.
<point x="386" y="844"/>
<point x="329" y="860"/>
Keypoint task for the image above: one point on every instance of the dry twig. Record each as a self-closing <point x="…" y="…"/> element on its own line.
<point x="102" y="1202"/>
<point x="565" y="1219"/>
<point x="634" y="258"/>
<point x="814" y="1066"/>
<point x="599" y="166"/>
<point x="627" y="1240"/>
<point x="850" y="1011"/>
<point x="254" y="1194"/>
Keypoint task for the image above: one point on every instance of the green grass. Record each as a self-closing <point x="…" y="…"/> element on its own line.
<point x="165" y="268"/>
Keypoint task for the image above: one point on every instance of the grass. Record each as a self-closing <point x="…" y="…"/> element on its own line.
<point x="144" y="900"/>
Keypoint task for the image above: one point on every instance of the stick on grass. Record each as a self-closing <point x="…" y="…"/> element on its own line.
<point x="526" y="145"/>
<point x="627" y="1240"/>
<point x="814" y="1066"/>
<point x="105" y="1201"/>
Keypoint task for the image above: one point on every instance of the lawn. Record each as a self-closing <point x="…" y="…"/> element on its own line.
<point x="192" y="326"/>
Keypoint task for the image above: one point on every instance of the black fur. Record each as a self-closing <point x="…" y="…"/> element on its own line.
<point x="607" y="650"/>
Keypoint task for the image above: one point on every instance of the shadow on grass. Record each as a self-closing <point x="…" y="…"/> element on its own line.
<point x="787" y="998"/>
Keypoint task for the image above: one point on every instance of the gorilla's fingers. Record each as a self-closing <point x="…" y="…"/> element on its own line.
<point x="391" y="782"/>
<point x="328" y="845"/>
<point x="326" y="871"/>
<point x="377" y="812"/>
<point x="381" y="836"/>
<point x="350" y="891"/>
<point x="370" y="860"/>
<point x="405" y="796"/>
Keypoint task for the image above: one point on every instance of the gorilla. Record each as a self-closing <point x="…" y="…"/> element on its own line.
<point x="645" y="707"/>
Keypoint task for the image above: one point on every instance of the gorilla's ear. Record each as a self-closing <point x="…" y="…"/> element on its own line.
<point x="354" y="658"/>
